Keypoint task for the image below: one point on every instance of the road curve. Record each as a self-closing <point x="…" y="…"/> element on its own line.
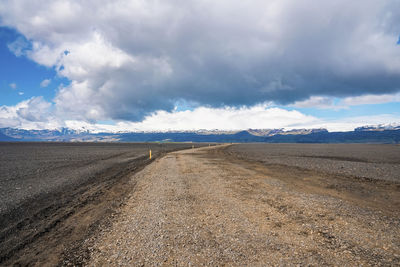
<point x="197" y="207"/>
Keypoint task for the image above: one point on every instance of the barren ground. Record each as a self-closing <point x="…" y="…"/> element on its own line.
<point x="53" y="196"/>
<point x="209" y="207"/>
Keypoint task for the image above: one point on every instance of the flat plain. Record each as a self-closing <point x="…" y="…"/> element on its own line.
<point x="46" y="186"/>
<point x="240" y="204"/>
<point x="213" y="207"/>
<point x="374" y="161"/>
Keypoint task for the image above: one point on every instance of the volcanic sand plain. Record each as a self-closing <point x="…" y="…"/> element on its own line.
<point x="225" y="206"/>
<point x="241" y="204"/>
<point x="54" y="195"/>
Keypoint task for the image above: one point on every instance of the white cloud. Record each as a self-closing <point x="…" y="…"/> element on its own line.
<point x="256" y="117"/>
<point x="350" y="123"/>
<point x="371" y="99"/>
<point x="20" y="93"/>
<point x="319" y="102"/>
<point x="34" y="113"/>
<point x="13" y="85"/>
<point x="129" y="58"/>
<point x="227" y="118"/>
<point x="19" y="46"/>
<point x="322" y="102"/>
<point x="45" y="83"/>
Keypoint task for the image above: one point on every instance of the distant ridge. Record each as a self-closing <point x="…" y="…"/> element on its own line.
<point x="365" y="134"/>
<point x="4" y="137"/>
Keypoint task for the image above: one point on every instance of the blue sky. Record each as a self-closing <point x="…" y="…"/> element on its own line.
<point x="139" y="72"/>
<point x="24" y="73"/>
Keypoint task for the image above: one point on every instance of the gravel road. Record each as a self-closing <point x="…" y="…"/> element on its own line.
<point x="205" y="207"/>
<point x="30" y="169"/>
<point x="54" y="195"/>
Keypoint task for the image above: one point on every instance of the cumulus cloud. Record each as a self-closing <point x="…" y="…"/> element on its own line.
<point x="45" y="83"/>
<point x="129" y="58"/>
<point x="37" y="113"/>
<point x="226" y="118"/>
<point x="34" y="113"/>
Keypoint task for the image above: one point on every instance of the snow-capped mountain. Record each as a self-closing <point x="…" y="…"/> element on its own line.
<point x="379" y="127"/>
<point x="367" y="134"/>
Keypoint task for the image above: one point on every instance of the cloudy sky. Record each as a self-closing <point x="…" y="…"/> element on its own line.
<point x="179" y="64"/>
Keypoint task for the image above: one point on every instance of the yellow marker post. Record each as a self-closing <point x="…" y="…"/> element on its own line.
<point x="150" y="154"/>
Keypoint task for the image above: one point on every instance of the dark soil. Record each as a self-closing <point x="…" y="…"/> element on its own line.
<point x="270" y="204"/>
<point x="370" y="161"/>
<point x="338" y="177"/>
<point x="55" y="195"/>
<point x="207" y="207"/>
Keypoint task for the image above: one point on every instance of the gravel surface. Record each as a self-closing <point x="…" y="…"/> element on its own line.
<point x="52" y="195"/>
<point x="204" y="207"/>
<point x="30" y="169"/>
<point x="359" y="160"/>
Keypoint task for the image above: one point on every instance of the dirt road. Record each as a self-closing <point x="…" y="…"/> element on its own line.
<point x="200" y="207"/>
<point x="53" y="196"/>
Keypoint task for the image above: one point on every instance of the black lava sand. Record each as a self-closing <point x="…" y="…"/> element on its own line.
<point x="369" y="161"/>
<point x="59" y="192"/>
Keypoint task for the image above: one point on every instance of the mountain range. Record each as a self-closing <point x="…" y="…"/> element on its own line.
<point x="365" y="134"/>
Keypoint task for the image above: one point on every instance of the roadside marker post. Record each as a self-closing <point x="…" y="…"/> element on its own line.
<point x="150" y="154"/>
<point x="192" y="146"/>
